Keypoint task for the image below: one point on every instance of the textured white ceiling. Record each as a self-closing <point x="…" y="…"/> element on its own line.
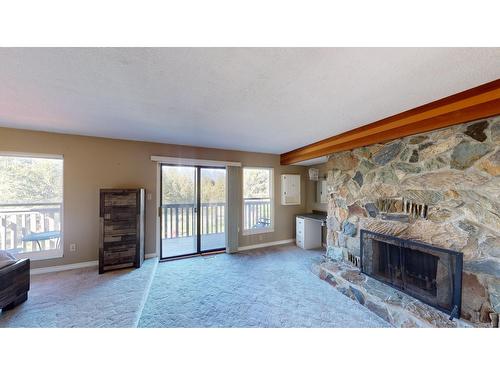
<point x="255" y="99"/>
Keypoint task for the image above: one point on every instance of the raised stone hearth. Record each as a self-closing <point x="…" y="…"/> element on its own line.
<point x="398" y="309"/>
<point x="441" y="188"/>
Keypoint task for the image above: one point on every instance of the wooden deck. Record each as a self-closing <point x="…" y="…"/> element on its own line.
<point x="187" y="245"/>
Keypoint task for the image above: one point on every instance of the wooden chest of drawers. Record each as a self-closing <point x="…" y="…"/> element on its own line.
<point x="121" y="229"/>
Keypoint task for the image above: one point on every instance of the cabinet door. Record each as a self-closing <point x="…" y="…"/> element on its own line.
<point x="290" y="189"/>
<point x="322" y="192"/>
<point x="319" y="191"/>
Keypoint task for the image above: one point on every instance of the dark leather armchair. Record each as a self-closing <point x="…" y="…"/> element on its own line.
<point x="14" y="284"/>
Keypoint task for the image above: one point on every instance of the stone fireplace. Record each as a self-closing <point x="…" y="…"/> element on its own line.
<point x="434" y="190"/>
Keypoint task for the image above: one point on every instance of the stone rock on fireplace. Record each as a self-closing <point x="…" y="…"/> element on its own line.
<point x="454" y="173"/>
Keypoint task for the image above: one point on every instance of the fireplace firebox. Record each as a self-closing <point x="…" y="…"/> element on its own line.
<point x="428" y="273"/>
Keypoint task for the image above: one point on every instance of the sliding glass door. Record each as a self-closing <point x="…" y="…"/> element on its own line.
<point x="178" y="211"/>
<point x="213" y="208"/>
<point x="193" y="207"/>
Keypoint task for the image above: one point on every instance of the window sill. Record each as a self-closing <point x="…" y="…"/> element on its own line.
<point x="41" y="255"/>
<point x="249" y="232"/>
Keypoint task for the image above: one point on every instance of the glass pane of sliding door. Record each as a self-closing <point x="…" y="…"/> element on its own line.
<point x="178" y="226"/>
<point x="193" y="210"/>
<point x="212" y="208"/>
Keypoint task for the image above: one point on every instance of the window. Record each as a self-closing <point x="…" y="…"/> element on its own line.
<point x="258" y="200"/>
<point x="31" y="199"/>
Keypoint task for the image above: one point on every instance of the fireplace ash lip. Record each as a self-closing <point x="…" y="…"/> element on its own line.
<point x="455" y="309"/>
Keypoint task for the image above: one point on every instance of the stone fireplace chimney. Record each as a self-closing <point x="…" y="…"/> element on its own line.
<point x="440" y="188"/>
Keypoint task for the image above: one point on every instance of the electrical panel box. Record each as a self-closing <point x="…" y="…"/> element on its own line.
<point x="321" y="192"/>
<point x="290" y="189"/>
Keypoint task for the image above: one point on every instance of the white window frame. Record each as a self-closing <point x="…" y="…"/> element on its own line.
<point x="251" y="231"/>
<point x="50" y="253"/>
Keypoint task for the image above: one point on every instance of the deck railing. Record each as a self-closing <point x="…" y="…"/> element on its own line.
<point x="179" y="220"/>
<point x="257" y="213"/>
<point x="18" y="220"/>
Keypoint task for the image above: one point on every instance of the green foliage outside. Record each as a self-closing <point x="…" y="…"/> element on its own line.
<point x="256" y="183"/>
<point x="178" y="185"/>
<point x="30" y="180"/>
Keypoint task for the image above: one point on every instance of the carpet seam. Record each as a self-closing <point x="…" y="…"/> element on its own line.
<point x="146" y="295"/>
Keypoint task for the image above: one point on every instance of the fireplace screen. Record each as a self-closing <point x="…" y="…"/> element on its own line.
<point x="428" y="273"/>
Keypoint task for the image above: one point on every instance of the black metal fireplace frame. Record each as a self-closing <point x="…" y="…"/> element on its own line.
<point x="457" y="291"/>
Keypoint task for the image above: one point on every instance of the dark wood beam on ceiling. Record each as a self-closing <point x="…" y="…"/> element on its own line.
<point x="473" y="104"/>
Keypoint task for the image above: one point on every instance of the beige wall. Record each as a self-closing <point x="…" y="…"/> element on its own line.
<point x="92" y="163"/>
<point x="311" y="203"/>
<point x="311" y="187"/>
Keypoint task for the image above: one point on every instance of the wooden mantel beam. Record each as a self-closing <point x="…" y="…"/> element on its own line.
<point x="473" y="104"/>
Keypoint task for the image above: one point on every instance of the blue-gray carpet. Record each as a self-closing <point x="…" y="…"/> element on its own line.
<point x="83" y="298"/>
<point x="260" y="288"/>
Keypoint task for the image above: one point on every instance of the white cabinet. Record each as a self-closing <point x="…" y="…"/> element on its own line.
<point x="290" y="189"/>
<point x="308" y="233"/>
<point x="321" y="191"/>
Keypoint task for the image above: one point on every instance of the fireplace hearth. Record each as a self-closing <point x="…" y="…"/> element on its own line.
<point x="428" y="273"/>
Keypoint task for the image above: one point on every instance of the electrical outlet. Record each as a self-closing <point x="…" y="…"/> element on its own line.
<point x="72" y="247"/>
<point x="149" y="196"/>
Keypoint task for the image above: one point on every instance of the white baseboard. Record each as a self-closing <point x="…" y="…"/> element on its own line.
<point x="74" y="266"/>
<point x="266" y="244"/>
<point x="64" y="267"/>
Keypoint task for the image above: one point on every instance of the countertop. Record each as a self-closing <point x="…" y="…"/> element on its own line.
<point x="315" y="215"/>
